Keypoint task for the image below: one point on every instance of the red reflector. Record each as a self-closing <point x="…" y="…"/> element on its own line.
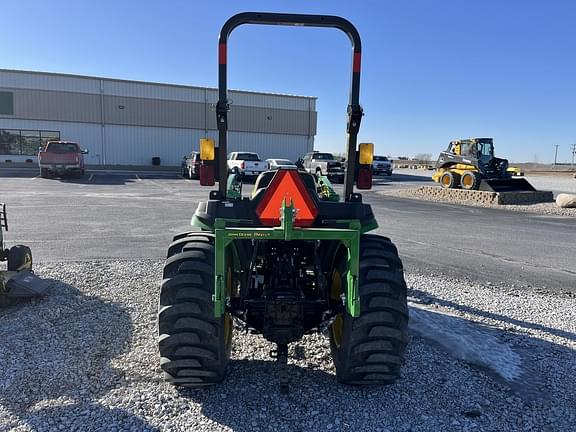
<point x="364" y="178"/>
<point x="206" y="175"/>
<point x="222" y="54"/>
<point x="287" y="185"/>
<point x="356" y="63"/>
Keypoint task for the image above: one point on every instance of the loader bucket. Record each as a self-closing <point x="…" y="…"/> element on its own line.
<point x="26" y="284"/>
<point x="506" y="185"/>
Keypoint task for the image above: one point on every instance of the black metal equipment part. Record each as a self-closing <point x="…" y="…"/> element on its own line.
<point x="355" y="112"/>
<point x="26" y="284"/>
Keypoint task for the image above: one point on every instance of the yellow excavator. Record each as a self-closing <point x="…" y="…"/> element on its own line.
<point x="470" y="164"/>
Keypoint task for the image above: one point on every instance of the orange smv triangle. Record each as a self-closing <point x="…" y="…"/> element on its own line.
<point x="286" y="185"/>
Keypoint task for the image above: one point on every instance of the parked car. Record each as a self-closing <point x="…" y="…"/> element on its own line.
<point x="191" y="165"/>
<point x="274" y="164"/>
<point x="245" y="163"/>
<point x="61" y="158"/>
<point x="382" y="165"/>
<point x="324" y="164"/>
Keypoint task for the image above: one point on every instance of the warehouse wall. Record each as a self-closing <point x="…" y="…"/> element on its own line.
<point x="126" y="122"/>
<point x="88" y="135"/>
<point x="123" y="110"/>
<point x="132" y="145"/>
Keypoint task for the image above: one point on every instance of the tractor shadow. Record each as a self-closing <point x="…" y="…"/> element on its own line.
<point x="252" y="388"/>
<point x="519" y="360"/>
<point x="426" y="298"/>
<point x="56" y="355"/>
<point x="451" y="362"/>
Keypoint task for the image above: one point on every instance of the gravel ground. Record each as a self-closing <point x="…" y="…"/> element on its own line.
<point x="549" y="208"/>
<point x="480" y="358"/>
<point x="559" y="182"/>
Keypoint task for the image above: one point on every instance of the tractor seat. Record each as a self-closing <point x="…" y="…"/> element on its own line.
<point x="265" y="178"/>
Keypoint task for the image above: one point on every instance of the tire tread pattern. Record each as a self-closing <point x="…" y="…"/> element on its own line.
<point x="191" y="341"/>
<point x="373" y="345"/>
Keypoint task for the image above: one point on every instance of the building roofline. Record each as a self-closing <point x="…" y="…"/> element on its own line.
<point x="61" y="74"/>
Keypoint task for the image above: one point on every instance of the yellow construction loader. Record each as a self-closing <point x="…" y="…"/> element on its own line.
<point x="470" y="164"/>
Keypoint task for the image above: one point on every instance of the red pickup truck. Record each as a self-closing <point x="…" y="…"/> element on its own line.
<point x="61" y="158"/>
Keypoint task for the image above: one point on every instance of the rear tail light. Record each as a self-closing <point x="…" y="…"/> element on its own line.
<point x="207" y="175"/>
<point x="364" y="178"/>
<point x="242" y="165"/>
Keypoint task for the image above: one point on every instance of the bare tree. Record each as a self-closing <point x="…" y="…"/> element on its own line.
<point x="424" y="157"/>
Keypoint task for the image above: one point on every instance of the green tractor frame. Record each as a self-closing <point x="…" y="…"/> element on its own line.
<point x="291" y="260"/>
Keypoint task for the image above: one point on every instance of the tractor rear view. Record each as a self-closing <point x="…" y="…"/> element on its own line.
<point x="291" y="260"/>
<point x="470" y="164"/>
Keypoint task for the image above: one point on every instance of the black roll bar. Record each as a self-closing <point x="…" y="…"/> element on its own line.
<point x="354" y="109"/>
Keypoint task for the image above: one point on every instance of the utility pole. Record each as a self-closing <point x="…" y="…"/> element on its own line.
<point x="556" y="153"/>
<point x="573" y="153"/>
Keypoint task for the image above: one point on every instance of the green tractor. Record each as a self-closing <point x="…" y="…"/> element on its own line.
<point x="18" y="280"/>
<point x="290" y="260"/>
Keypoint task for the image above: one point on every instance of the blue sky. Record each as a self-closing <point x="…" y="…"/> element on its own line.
<point x="432" y="70"/>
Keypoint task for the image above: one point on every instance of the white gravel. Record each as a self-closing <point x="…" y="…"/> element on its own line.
<point x="480" y="358"/>
<point x="549" y="208"/>
<point x="560" y="182"/>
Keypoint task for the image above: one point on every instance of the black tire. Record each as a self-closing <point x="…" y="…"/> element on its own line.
<point x="195" y="175"/>
<point x="449" y="180"/>
<point x="44" y="173"/>
<point x="19" y="258"/>
<point x="470" y="180"/>
<point x="369" y="350"/>
<point x="194" y="240"/>
<point x="194" y="345"/>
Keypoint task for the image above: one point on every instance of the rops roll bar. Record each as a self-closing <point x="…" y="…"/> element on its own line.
<point x="354" y="109"/>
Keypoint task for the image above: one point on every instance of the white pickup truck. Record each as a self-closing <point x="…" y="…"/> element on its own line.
<point x="246" y="164"/>
<point x="382" y="165"/>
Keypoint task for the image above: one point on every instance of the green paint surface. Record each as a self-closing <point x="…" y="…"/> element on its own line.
<point x="6" y="103"/>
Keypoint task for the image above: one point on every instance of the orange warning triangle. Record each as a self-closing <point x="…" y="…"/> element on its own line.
<point x="287" y="185"/>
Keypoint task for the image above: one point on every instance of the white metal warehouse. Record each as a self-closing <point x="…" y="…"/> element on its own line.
<point x="129" y="122"/>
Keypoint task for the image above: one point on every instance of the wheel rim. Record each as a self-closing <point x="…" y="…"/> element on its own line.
<point x="467" y="181"/>
<point x="27" y="261"/>
<point x="338" y="324"/>
<point x="446" y="180"/>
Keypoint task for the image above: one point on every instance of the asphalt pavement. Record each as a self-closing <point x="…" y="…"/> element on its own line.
<point x="128" y="215"/>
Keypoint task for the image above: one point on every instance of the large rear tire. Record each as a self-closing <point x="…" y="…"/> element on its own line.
<point x="370" y="349"/>
<point x="19" y="258"/>
<point x="194" y="345"/>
